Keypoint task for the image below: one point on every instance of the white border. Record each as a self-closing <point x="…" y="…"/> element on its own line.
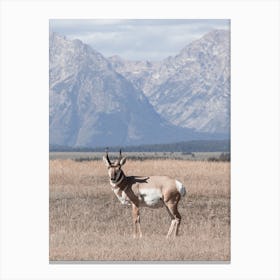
<point x="255" y="138"/>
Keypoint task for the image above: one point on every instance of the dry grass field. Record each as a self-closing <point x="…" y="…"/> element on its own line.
<point x="88" y="223"/>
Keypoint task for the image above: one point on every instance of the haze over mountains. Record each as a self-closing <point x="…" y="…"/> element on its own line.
<point x="98" y="101"/>
<point x="191" y="89"/>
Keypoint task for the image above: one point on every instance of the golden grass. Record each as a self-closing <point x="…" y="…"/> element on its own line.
<point x="87" y="222"/>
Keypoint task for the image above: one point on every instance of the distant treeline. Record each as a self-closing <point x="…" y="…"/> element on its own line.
<point x="184" y="147"/>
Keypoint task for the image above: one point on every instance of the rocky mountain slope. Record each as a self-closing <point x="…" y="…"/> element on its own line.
<point x="191" y="89"/>
<point x="93" y="105"/>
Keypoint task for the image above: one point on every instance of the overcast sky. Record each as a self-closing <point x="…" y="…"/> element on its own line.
<point x="137" y="39"/>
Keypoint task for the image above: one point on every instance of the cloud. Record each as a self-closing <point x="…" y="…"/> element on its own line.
<point x="137" y="39"/>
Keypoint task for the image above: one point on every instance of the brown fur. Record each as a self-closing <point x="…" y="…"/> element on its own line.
<point x="132" y="190"/>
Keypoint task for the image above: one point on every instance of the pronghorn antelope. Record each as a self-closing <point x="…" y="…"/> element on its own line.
<point x="153" y="191"/>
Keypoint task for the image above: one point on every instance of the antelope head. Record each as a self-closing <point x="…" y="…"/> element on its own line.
<point x="114" y="169"/>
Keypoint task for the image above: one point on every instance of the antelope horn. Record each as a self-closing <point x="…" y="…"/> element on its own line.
<point x="120" y="157"/>
<point x="107" y="156"/>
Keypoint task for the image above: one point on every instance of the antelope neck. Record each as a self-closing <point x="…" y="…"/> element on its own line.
<point x="117" y="183"/>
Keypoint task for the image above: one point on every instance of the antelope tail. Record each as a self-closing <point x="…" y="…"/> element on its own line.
<point x="181" y="189"/>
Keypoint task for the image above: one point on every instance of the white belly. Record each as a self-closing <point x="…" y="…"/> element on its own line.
<point x="150" y="197"/>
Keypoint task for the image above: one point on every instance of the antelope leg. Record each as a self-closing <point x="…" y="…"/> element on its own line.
<point x="175" y="216"/>
<point x="139" y="227"/>
<point x="171" y="228"/>
<point x="136" y="221"/>
<point x="177" y="223"/>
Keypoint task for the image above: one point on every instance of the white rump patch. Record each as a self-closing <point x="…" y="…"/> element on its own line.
<point x="181" y="189"/>
<point x="151" y="197"/>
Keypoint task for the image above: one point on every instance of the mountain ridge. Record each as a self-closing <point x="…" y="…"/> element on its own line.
<point x="191" y="89"/>
<point x="91" y="104"/>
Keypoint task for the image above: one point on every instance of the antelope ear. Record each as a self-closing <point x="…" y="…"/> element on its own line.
<point x="122" y="161"/>
<point x="107" y="163"/>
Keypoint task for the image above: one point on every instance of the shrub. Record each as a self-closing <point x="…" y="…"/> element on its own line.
<point x="222" y="157"/>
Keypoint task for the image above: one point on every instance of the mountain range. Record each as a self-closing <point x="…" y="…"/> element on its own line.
<point x="191" y="89"/>
<point x="99" y="101"/>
